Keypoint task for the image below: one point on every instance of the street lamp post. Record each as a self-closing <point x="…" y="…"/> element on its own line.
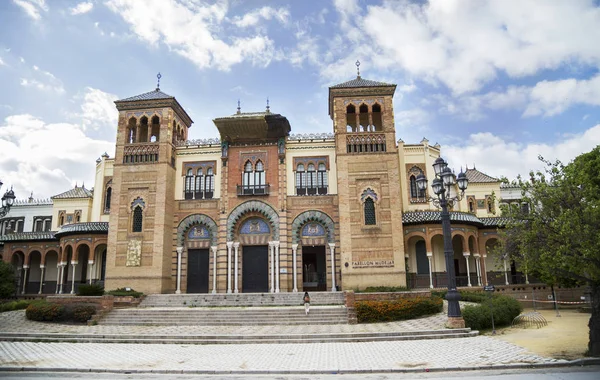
<point x="7" y="201"/>
<point x="442" y="187"/>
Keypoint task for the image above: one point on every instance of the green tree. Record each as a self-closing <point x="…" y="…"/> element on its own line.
<point x="558" y="240"/>
<point x="7" y="280"/>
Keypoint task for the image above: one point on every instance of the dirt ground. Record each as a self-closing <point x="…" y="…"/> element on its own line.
<point x="565" y="337"/>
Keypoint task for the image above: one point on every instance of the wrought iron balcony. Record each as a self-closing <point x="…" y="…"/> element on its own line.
<point x="243" y="190"/>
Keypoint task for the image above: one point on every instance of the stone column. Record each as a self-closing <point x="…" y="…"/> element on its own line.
<point x="62" y="275"/>
<point x="429" y="257"/>
<point x="332" y="250"/>
<point x="73" y="264"/>
<point x="179" y="252"/>
<point x="484" y="280"/>
<point x="25" y="267"/>
<point x="58" y="277"/>
<point x="466" y="256"/>
<point x="276" y="245"/>
<point x="90" y="265"/>
<point x="272" y="266"/>
<point x="214" y="250"/>
<point x="295" y="269"/>
<point x="42" y="267"/>
<point x="236" y="247"/>
<point x="478" y="267"/>
<point x="229" y="246"/>
<point x="505" y="271"/>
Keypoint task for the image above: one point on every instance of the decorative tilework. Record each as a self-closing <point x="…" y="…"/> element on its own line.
<point x="313" y="229"/>
<point x="255" y="226"/>
<point x="313" y="216"/>
<point x="369" y="193"/>
<point x="253" y="206"/>
<point x="196" y="219"/>
<point x="198" y="232"/>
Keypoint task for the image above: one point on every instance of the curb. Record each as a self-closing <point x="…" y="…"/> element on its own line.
<point x="584" y="362"/>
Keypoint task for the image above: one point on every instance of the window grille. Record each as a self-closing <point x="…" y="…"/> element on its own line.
<point x="137" y="220"/>
<point x="369" y="206"/>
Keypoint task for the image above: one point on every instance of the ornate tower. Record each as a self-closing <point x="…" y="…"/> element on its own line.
<point x="140" y="237"/>
<point x="370" y="202"/>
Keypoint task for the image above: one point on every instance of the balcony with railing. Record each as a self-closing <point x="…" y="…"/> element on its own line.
<point x="247" y="190"/>
<point x="140" y="153"/>
<point x="311" y="190"/>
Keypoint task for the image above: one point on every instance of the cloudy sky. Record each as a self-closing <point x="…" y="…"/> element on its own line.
<point x="496" y="83"/>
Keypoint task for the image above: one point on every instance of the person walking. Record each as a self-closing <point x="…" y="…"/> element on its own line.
<point x="306" y="303"/>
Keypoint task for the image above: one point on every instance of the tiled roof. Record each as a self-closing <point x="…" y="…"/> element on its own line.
<point x="475" y="176"/>
<point x="22" y="236"/>
<point x="32" y="202"/>
<point x="418" y="217"/>
<point x="152" y="95"/>
<point x="77" y="192"/>
<point x="509" y="186"/>
<point x="359" y="82"/>
<point x="495" y="221"/>
<point x="80" y="228"/>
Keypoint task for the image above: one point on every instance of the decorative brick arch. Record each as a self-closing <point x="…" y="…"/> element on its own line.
<point x="195" y="219"/>
<point x="253" y="206"/>
<point x="313" y="216"/>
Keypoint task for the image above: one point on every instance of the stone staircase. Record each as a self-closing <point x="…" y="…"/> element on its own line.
<point x="241" y="299"/>
<point x="226" y="316"/>
<point x="239" y="309"/>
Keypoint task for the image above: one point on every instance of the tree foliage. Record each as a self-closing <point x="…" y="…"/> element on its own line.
<point x="559" y="238"/>
<point x="7" y="280"/>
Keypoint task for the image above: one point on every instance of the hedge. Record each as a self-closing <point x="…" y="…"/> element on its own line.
<point x="124" y="292"/>
<point x="479" y="317"/>
<point x="14" y="305"/>
<point x="45" y="311"/>
<point x="383" y="289"/>
<point x="386" y="311"/>
<point x="54" y="312"/>
<point x="90" y="290"/>
<point x="477" y="296"/>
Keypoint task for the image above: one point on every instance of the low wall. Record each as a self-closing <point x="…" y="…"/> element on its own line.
<point x="103" y="303"/>
<point x="391" y="296"/>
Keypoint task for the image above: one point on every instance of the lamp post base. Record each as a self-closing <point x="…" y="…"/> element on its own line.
<point x="455" y="323"/>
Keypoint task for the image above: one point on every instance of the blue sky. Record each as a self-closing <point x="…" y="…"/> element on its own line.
<point x="496" y="83"/>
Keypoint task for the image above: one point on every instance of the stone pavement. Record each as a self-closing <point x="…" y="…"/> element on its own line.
<point x="381" y="356"/>
<point x="478" y="352"/>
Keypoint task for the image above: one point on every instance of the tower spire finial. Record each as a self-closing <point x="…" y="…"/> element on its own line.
<point x="158" y="84"/>
<point x="268" y="107"/>
<point x="357" y="68"/>
<point x="239" y="108"/>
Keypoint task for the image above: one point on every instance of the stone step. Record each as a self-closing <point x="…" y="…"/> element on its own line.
<point x="227" y="323"/>
<point x="241" y="339"/>
<point x="241" y="299"/>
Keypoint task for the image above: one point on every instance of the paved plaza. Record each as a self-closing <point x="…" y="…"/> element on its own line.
<point x="382" y="356"/>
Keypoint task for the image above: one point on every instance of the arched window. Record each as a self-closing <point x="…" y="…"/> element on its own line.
<point x="143" y="130"/>
<point x="413" y="187"/>
<point x="422" y="260"/>
<point x="61" y="220"/>
<point x="471" y="205"/>
<point x="364" y="117"/>
<point x="107" y="200"/>
<point x="248" y="178"/>
<point x="259" y="178"/>
<point x="137" y="219"/>
<point x="311" y="180"/>
<point x="322" y="179"/>
<point x="189" y="184"/>
<point x="300" y="180"/>
<point x="376" y="117"/>
<point x="490" y="205"/>
<point x="131" y="130"/>
<point x="209" y="184"/>
<point x="199" y="189"/>
<point x="155" y="131"/>
<point x="369" y="209"/>
<point x="351" y="117"/>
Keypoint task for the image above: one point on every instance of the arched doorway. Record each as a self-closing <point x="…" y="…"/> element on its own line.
<point x="35" y="272"/>
<point x="460" y="267"/>
<point x="17" y="261"/>
<point x="254" y="236"/>
<point x="51" y="272"/>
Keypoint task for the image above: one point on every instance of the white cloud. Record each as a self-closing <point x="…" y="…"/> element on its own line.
<point x="546" y="98"/>
<point x="495" y="156"/>
<point x="32" y="7"/>
<point x="46" y="157"/>
<point x="43" y="81"/>
<point x="466" y="44"/>
<point x="266" y="13"/>
<point x="189" y="28"/>
<point x="82" y="8"/>
<point x="98" y="109"/>
<point x="2" y="62"/>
